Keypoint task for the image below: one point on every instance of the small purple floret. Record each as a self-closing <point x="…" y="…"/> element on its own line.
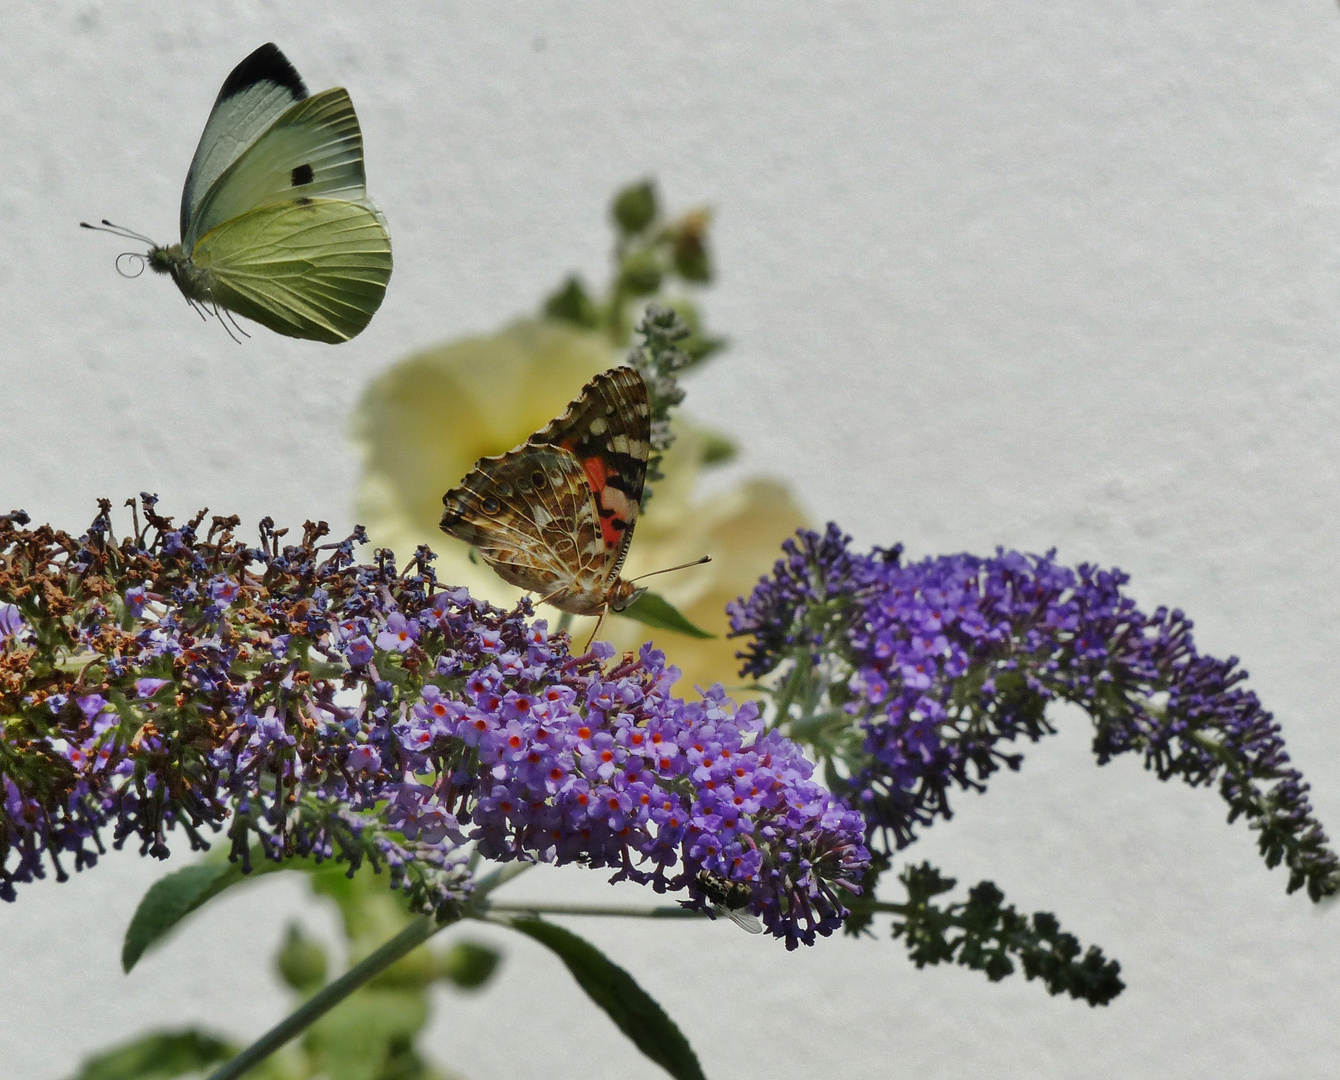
<point x="11" y="622"/>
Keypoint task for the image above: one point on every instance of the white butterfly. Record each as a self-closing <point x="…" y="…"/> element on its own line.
<point x="276" y="223"/>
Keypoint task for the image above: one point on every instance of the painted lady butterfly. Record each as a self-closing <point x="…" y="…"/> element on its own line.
<point x="555" y="515"/>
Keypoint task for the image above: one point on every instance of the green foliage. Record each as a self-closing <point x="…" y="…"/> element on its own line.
<point x="640" y="274"/>
<point x="652" y="609"/>
<point x="718" y="449"/>
<point x="368" y="1036"/>
<point x="170" y="899"/>
<point x="651" y="256"/>
<point x="163" y="1056"/>
<point x="632" y="1009"/>
<point x="983" y="933"/>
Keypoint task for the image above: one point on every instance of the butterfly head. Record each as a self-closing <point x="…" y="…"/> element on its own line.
<point x="624" y="594"/>
<point x="131" y="263"/>
<point x="163" y="260"/>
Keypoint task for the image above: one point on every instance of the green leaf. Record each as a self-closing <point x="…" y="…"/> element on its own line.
<point x="656" y="611"/>
<point x="631" y="1008"/>
<point x="160" y="1056"/>
<point x="170" y="899"/>
<point x="640" y="273"/>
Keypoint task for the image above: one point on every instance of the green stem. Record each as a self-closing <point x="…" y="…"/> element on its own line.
<point x="882" y="906"/>
<point x="589" y="909"/>
<point x="415" y="934"/>
<point x="419" y="930"/>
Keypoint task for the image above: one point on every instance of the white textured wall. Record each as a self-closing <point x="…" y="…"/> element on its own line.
<point x="1035" y="274"/>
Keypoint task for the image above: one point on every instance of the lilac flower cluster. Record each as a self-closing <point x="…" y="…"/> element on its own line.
<point x="315" y="706"/>
<point x="944" y="662"/>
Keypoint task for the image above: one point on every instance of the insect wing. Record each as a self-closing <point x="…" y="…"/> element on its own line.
<point x="312" y="269"/>
<point x="608" y="429"/>
<point x="745" y="920"/>
<point x="313" y="150"/>
<point x="530" y="515"/>
<point x="257" y="92"/>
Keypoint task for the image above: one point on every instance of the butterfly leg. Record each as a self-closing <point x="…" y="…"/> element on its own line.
<point x="226" y="329"/>
<point x="599" y="623"/>
<point x="232" y="319"/>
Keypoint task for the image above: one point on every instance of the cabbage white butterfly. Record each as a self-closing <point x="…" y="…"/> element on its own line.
<point x="276" y="224"/>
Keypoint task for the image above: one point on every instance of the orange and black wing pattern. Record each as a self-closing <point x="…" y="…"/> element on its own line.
<point x="608" y="430"/>
<point x="555" y="515"/>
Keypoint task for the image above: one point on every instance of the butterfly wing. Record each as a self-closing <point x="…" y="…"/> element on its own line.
<point x="313" y="150"/>
<point x="308" y="268"/>
<point x="254" y="96"/>
<point x="608" y="430"/>
<point x="531" y="515"/>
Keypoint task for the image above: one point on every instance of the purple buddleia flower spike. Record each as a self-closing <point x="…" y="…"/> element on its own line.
<point x="944" y="664"/>
<point x="320" y="707"/>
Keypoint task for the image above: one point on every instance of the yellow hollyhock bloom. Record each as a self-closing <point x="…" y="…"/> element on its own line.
<point x="424" y="423"/>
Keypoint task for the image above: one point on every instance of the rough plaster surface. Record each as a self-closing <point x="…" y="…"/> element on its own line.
<point x="1043" y="274"/>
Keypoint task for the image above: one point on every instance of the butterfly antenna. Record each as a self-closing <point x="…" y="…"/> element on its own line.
<point x="681" y="566"/>
<point x="118" y="230"/>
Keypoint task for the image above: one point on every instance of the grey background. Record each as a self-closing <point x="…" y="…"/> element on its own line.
<point x="1033" y="274"/>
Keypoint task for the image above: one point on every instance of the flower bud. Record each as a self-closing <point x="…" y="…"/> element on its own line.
<point x="692" y="260"/>
<point x="634" y="207"/>
<point x="572" y="304"/>
<point x="302" y="960"/>
<point x="468" y="964"/>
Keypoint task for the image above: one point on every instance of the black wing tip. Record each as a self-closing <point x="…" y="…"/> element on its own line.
<point x="266" y="64"/>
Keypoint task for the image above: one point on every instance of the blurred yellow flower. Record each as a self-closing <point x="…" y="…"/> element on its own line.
<point x="424" y="423"/>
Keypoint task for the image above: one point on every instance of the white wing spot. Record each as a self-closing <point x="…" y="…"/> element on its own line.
<point x="614" y="499"/>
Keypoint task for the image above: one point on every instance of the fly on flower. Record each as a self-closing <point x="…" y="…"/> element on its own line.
<point x="729" y="899"/>
<point x="555" y="515"/>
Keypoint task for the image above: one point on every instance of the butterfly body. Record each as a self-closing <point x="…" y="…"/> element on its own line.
<point x="555" y="515"/>
<point x="193" y="281"/>
<point x="276" y="222"/>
